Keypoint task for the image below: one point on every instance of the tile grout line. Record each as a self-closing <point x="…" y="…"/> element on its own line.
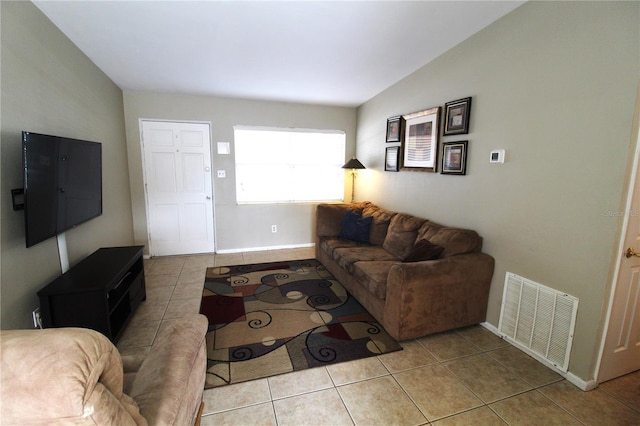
<point x="483" y="350"/>
<point x="558" y="404"/>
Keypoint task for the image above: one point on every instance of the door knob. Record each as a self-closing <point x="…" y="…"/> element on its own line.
<point x="631" y="252"/>
<point x="208" y="197"/>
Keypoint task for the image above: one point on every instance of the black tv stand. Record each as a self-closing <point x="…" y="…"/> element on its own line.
<point x="101" y="292"/>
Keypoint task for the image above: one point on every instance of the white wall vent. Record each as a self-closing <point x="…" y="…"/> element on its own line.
<point x="538" y="319"/>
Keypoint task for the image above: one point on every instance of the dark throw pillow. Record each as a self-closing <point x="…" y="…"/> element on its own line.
<point x="355" y="227"/>
<point x="424" y="250"/>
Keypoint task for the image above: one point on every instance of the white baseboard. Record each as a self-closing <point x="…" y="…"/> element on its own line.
<point x="571" y="378"/>
<point x="580" y="383"/>
<point x="248" y="249"/>
<point x="491" y="328"/>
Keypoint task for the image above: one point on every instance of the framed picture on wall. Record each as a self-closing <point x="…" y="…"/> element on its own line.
<point x="394" y="129"/>
<point x="456" y="117"/>
<point x="454" y="158"/>
<point x="391" y="159"/>
<point x="420" y="143"/>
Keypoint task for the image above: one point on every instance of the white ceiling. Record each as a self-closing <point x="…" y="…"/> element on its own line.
<point x="320" y="52"/>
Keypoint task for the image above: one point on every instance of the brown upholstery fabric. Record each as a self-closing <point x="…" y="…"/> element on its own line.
<point x="380" y="224"/>
<point x="416" y="298"/>
<point x="401" y="235"/>
<point x="329" y="217"/>
<point x="457" y="241"/>
<point x="62" y="376"/>
<point x="424" y="250"/>
<point x="329" y="244"/>
<point x="437" y="295"/>
<point x="428" y="230"/>
<point x="347" y="256"/>
<point x="373" y="275"/>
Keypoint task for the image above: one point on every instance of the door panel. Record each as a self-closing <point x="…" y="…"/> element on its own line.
<point x="621" y="350"/>
<point x="193" y="173"/>
<point x="164" y="222"/>
<point x="179" y="191"/>
<point x="164" y="172"/>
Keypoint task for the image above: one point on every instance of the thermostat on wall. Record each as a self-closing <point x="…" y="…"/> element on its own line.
<point x="497" y="156"/>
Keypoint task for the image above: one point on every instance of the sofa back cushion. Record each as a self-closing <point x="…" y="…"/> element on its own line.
<point x="454" y="240"/>
<point x="401" y="235"/>
<point x="424" y="250"/>
<point x="329" y="217"/>
<point x="380" y="224"/>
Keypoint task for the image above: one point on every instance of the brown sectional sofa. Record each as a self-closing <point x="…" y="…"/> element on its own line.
<point x="409" y="298"/>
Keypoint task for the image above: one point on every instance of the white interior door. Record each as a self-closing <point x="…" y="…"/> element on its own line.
<point x="177" y="164"/>
<point x="621" y="351"/>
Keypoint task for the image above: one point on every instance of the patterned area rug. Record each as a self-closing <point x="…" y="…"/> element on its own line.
<point x="274" y="318"/>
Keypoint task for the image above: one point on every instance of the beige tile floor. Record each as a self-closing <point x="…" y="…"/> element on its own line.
<point x="463" y="377"/>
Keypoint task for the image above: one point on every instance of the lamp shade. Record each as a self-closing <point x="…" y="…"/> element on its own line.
<point x="353" y="164"/>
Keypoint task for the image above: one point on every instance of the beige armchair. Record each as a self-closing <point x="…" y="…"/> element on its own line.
<point x="75" y="376"/>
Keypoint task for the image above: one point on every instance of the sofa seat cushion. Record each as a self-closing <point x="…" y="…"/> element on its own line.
<point x="329" y="244"/>
<point x="345" y="257"/>
<point x="401" y="235"/>
<point x="373" y="275"/>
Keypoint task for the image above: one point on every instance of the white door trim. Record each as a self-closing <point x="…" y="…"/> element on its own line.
<point x="624" y="228"/>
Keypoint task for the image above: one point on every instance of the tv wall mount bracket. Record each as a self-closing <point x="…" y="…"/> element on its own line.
<point x="17" y="198"/>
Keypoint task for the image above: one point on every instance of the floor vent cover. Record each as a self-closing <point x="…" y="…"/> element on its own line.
<point x="538" y="319"/>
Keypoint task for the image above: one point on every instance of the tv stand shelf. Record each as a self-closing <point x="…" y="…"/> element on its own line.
<point x="101" y="292"/>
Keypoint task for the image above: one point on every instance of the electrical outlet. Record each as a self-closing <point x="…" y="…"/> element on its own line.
<point x="36" y="318"/>
<point x="274" y="228"/>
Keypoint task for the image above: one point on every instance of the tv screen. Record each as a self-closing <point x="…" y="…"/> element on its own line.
<point x="62" y="184"/>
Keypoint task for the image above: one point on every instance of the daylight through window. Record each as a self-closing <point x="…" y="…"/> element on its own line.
<point x="288" y="165"/>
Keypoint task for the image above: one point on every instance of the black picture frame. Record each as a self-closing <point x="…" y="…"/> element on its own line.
<point x="395" y="129"/>
<point x="392" y="159"/>
<point x="456" y="117"/>
<point x="454" y="158"/>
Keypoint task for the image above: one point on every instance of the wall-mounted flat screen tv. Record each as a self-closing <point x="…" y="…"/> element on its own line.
<point x="62" y="184"/>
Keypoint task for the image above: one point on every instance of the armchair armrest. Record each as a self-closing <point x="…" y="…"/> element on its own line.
<point x="438" y="294"/>
<point x="169" y="385"/>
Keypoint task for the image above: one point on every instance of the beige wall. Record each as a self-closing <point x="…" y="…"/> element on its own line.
<point x="554" y="84"/>
<point x="237" y="227"/>
<point x="49" y="86"/>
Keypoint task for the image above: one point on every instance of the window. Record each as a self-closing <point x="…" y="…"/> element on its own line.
<point x="288" y="165"/>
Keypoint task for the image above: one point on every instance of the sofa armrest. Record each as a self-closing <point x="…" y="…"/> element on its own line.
<point x="437" y="295"/>
<point x="329" y="219"/>
<point x="168" y="387"/>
